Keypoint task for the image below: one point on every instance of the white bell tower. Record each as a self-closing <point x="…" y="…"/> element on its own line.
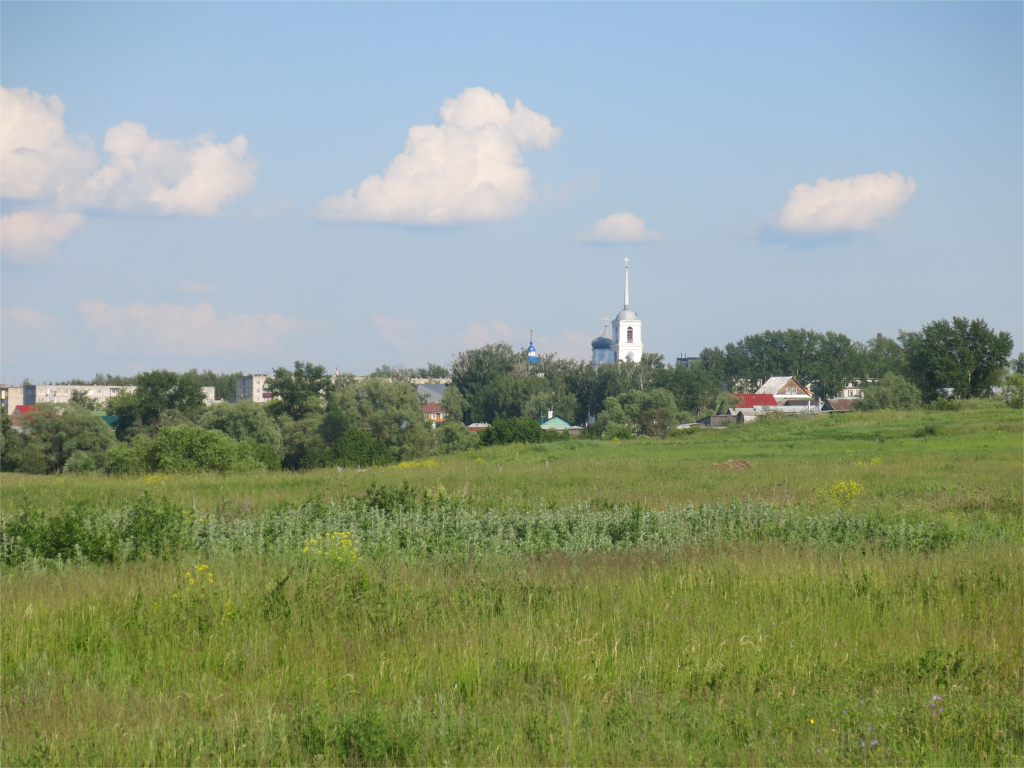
<point x="628" y="343"/>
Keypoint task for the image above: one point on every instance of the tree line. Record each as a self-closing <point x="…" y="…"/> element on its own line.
<point x="320" y="420"/>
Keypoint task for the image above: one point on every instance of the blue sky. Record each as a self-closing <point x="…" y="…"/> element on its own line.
<point x="184" y="246"/>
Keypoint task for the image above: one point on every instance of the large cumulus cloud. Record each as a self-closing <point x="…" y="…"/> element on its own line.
<point x="468" y="168"/>
<point x="64" y="176"/>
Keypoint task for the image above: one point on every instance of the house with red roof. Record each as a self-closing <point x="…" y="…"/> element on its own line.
<point x="434" y="413"/>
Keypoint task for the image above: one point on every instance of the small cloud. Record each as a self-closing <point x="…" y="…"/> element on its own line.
<point x="621" y="228"/>
<point x="856" y="203"/>
<point x="468" y="168"/>
<point x="29" y="236"/>
<point x="168" y="329"/>
<point x="193" y="286"/>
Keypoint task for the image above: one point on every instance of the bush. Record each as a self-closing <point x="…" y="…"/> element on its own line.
<point x="1013" y="390"/>
<point x="193" y="449"/>
<point x="358" y="448"/>
<point x="190" y="449"/>
<point x="517" y="430"/>
<point x="892" y="392"/>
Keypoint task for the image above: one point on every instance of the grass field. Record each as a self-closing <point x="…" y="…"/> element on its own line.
<point x="568" y="607"/>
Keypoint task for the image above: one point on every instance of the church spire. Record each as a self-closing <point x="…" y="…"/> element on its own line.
<point x="626" y="305"/>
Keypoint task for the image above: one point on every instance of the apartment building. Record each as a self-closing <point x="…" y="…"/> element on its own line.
<point x="33" y="394"/>
<point x="253" y="387"/>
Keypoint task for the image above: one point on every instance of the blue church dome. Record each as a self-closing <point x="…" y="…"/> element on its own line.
<point x="601" y="342"/>
<point x="531" y="353"/>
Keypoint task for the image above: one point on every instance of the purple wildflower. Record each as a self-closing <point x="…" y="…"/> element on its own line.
<point x="844" y="711"/>
<point x="941" y="709"/>
<point x="936" y="698"/>
<point x="874" y="742"/>
<point x="931" y="704"/>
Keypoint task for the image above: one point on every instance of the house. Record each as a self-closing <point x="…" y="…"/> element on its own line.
<point x="434" y="413"/>
<point x="785" y="388"/>
<point x="719" y="420"/>
<point x="431" y="393"/>
<point x="554" y="422"/>
<point x="755" y="400"/>
<point x="840" y="404"/>
<point x="477" y="426"/>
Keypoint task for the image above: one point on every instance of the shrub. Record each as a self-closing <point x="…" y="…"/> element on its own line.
<point x="891" y="391"/>
<point x="358" y="448"/>
<point x="517" y="430"/>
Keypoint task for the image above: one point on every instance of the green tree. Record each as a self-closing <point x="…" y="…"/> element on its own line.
<point x="358" y="448"/>
<point x="883" y="355"/>
<point x="1013" y="387"/>
<point x="512" y="430"/>
<point x="58" y="432"/>
<point x="964" y="355"/>
<point x="12" y="442"/>
<point x="303" y="446"/>
<point x="82" y="400"/>
<point x="245" y="421"/>
<point x="696" y="389"/>
<point x="300" y="392"/>
<point x="892" y="391"/>
<point x="836" y="361"/>
<point x="650" y="412"/>
<point x="158" y="392"/>
<point x="223" y="383"/>
<point x="455" y="405"/>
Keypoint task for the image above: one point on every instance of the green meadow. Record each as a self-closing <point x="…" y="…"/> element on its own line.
<point x="836" y="591"/>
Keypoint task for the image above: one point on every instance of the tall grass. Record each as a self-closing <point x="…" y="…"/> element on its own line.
<point x="737" y="654"/>
<point x="397" y="522"/>
<point x="855" y="597"/>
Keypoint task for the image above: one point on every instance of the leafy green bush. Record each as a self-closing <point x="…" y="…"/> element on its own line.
<point x="891" y="391"/>
<point x="190" y="449"/>
<point x="517" y="430"/>
<point x="358" y="448"/>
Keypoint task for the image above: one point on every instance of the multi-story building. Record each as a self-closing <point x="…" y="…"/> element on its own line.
<point x="33" y="394"/>
<point x="253" y="387"/>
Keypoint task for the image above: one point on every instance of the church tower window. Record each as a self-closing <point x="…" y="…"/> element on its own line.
<point x="629" y="335"/>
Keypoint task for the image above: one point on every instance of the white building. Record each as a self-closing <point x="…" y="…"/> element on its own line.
<point x="625" y="344"/>
<point x="33" y="394"/>
<point x="626" y="339"/>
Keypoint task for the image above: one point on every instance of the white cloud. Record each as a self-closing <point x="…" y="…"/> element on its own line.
<point x="37" y="158"/>
<point x="40" y="162"/>
<point x="168" y="329"/>
<point x="148" y="175"/>
<point x="854" y="203"/>
<point x="468" y="168"/>
<point x="621" y="228"/>
<point x="27" y="235"/>
<point x="194" y="286"/>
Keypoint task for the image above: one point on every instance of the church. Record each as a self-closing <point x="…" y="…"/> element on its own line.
<point x="624" y="343"/>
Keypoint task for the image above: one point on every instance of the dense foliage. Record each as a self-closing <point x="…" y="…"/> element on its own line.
<point x="319" y="420"/>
